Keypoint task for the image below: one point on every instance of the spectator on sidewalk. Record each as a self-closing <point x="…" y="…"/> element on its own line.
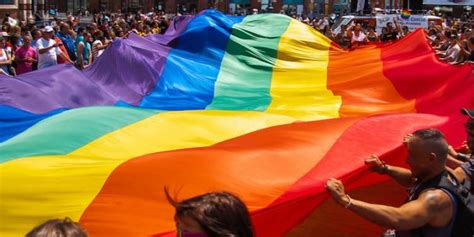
<point x="25" y="57"/>
<point x="48" y="50"/>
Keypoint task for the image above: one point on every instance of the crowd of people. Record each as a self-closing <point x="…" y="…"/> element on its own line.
<point x="358" y="33"/>
<point x="36" y="44"/>
<point x="453" y="40"/>
<point x="454" y="43"/>
<point x="28" y="46"/>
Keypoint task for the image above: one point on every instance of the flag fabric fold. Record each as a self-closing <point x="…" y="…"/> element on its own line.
<point x="262" y="106"/>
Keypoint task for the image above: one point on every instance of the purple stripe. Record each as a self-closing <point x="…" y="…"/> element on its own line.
<point x="61" y="86"/>
<point x="128" y="70"/>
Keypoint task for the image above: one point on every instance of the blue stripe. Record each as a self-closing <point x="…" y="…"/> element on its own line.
<point x="191" y="68"/>
<point x="14" y="121"/>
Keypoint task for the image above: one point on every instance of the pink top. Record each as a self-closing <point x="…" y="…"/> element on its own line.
<point x="22" y="53"/>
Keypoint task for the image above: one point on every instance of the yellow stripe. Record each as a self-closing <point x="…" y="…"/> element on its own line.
<point x="299" y="80"/>
<point x="38" y="188"/>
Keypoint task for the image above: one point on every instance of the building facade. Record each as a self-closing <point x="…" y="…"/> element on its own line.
<point x="25" y="8"/>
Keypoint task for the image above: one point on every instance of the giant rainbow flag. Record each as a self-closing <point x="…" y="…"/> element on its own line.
<point x="262" y="106"/>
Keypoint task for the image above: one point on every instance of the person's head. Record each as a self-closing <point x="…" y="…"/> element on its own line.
<point x="81" y="30"/>
<point x="100" y="36"/>
<point x="140" y="26"/>
<point x="389" y="26"/>
<point x="36" y="34"/>
<point x="93" y="26"/>
<point x="447" y="34"/>
<point x="427" y="153"/>
<point x="87" y="37"/>
<point x="14" y="40"/>
<point x="384" y="30"/>
<point x="326" y="29"/>
<point x="454" y="39"/>
<point x="216" y="214"/>
<point x="471" y="43"/>
<point x="469" y="127"/>
<point x="405" y="29"/>
<point x="111" y="36"/>
<point x="357" y="28"/>
<point x="371" y="29"/>
<point x="64" y="28"/>
<point x="48" y="32"/>
<point x="26" y="41"/>
<point x="432" y="32"/>
<point x="58" y="228"/>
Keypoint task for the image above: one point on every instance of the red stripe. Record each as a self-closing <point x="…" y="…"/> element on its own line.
<point x="439" y="88"/>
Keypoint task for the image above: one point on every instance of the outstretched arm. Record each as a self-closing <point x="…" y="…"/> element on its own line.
<point x="432" y="207"/>
<point x="401" y="175"/>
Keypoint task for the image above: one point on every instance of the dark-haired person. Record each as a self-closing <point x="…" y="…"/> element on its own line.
<point x="372" y="35"/>
<point x="466" y="170"/>
<point x="343" y="38"/>
<point x="454" y="50"/>
<point x="469" y="51"/>
<point x="84" y="51"/>
<point x="358" y="37"/>
<point x="429" y="211"/>
<point x="66" y="35"/>
<point x="391" y="33"/>
<point x="5" y="60"/>
<point x="58" y="228"/>
<point x="99" y="45"/>
<point x="405" y="31"/>
<point x="215" y="214"/>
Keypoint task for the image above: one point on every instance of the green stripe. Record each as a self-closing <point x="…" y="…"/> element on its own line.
<point x="246" y="71"/>
<point x="69" y="131"/>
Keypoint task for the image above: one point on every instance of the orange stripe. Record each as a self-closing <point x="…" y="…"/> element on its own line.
<point x="358" y="77"/>
<point x="259" y="167"/>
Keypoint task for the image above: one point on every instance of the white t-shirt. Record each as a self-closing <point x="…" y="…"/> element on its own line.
<point x="50" y="57"/>
<point x="3" y="58"/>
<point x="360" y="38"/>
<point x="323" y="23"/>
<point x="95" y="52"/>
<point x="453" y="52"/>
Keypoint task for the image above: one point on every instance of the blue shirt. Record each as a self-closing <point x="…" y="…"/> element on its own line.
<point x="68" y="44"/>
